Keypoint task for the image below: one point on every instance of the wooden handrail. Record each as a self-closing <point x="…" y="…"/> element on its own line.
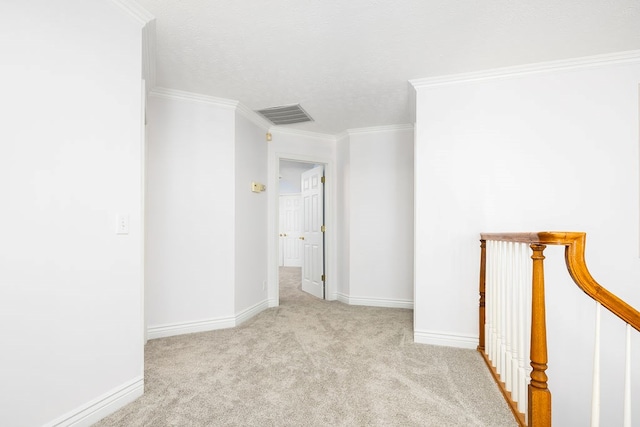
<point x="575" y="243"/>
<point x="539" y="396"/>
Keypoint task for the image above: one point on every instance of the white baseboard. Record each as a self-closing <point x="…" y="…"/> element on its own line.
<point x="344" y="298"/>
<point x="375" y="302"/>
<point x="182" y="328"/>
<point x="105" y="405"/>
<point x="163" y="331"/>
<point x="248" y="313"/>
<point x="446" y="339"/>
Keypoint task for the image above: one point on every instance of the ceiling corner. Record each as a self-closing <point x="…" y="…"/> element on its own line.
<point x="134" y="10"/>
<point x="252" y="116"/>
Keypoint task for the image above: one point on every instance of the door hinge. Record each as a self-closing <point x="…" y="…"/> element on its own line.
<point x="322" y="180"/>
<point x="323" y="278"/>
<point x="323" y="228"/>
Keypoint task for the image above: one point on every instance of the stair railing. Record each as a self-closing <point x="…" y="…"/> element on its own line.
<point x="512" y="319"/>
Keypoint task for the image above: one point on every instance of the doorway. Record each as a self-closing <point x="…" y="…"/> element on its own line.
<point x="302" y="224"/>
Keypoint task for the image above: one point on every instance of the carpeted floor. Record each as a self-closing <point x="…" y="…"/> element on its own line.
<point x="311" y="362"/>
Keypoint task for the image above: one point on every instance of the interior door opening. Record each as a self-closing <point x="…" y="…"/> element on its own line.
<point x="301" y="223"/>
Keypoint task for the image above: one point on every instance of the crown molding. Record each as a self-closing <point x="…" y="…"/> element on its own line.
<point x="258" y="120"/>
<point x="625" y="57"/>
<point x="302" y="133"/>
<point x="133" y="9"/>
<point x="380" y="129"/>
<point x="341" y="135"/>
<point x="375" y="129"/>
<point x="180" y="95"/>
<point x="253" y="117"/>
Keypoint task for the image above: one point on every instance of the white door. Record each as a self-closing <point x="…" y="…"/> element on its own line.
<point x="281" y="239"/>
<point x="312" y="235"/>
<point x="291" y="230"/>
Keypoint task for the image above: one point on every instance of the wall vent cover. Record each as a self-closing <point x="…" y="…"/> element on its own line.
<point x="285" y="115"/>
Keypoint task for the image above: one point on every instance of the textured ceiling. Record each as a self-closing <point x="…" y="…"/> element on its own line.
<point x="348" y="62"/>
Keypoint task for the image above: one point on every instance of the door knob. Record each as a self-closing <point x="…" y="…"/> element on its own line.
<point x="301" y="238"/>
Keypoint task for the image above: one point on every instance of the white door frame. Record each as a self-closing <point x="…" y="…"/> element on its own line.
<point x="273" y="291"/>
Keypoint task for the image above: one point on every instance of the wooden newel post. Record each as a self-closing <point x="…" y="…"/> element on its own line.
<point x="539" y="395"/>
<point x="483" y="278"/>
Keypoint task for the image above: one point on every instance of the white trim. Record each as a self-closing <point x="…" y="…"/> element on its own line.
<point x="143" y="216"/>
<point x="305" y="133"/>
<point x="375" y="302"/>
<point x="248" y="313"/>
<point x="169" y="330"/>
<point x="253" y="117"/>
<point x="381" y="129"/>
<point x="342" y="135"/>
<point x="631" y="56"/>
<point x="446" y="339"/>
<point x="180" y="95"/>
<point x="182" y="328"/>
<point x="134" y="10"/>
<point x="343" y="298"/>
<point x="330" y="191"/>
<point x="107" y="404"/>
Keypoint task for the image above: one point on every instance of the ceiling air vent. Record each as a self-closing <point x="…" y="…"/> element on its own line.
<point x="285" y="115"/>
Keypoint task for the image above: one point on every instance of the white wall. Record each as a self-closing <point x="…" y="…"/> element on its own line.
<point x="71" y="159"/>
<point x="379" y="184"/>
<point x="304" y="146"/>
<point x="190" y="245"/>
<point x="553" y="150"/>
<point x="250" y="216"/>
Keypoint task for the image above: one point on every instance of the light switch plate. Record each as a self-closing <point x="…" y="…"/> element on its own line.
<point x="122" y="224"/>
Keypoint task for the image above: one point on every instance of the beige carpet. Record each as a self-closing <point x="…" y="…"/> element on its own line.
<point x="313" y="363"/>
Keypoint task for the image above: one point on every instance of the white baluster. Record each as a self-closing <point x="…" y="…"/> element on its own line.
<point x="520" y="389"/>
<point x="496" y="307"/>
<point x="514" y="329"/>
<point x="516" y="323"/>
<point x="500" y="311"/>
<point x="505" y="312"/>
<point x="514" y="320"/>
<point x="496" y="312"/>
<point x="508" y="288"/>
<point x="488" y="332"/>
<point x="595" y="399"/>
<point x="525" y="325"/>
<point x="627" y="380"/>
